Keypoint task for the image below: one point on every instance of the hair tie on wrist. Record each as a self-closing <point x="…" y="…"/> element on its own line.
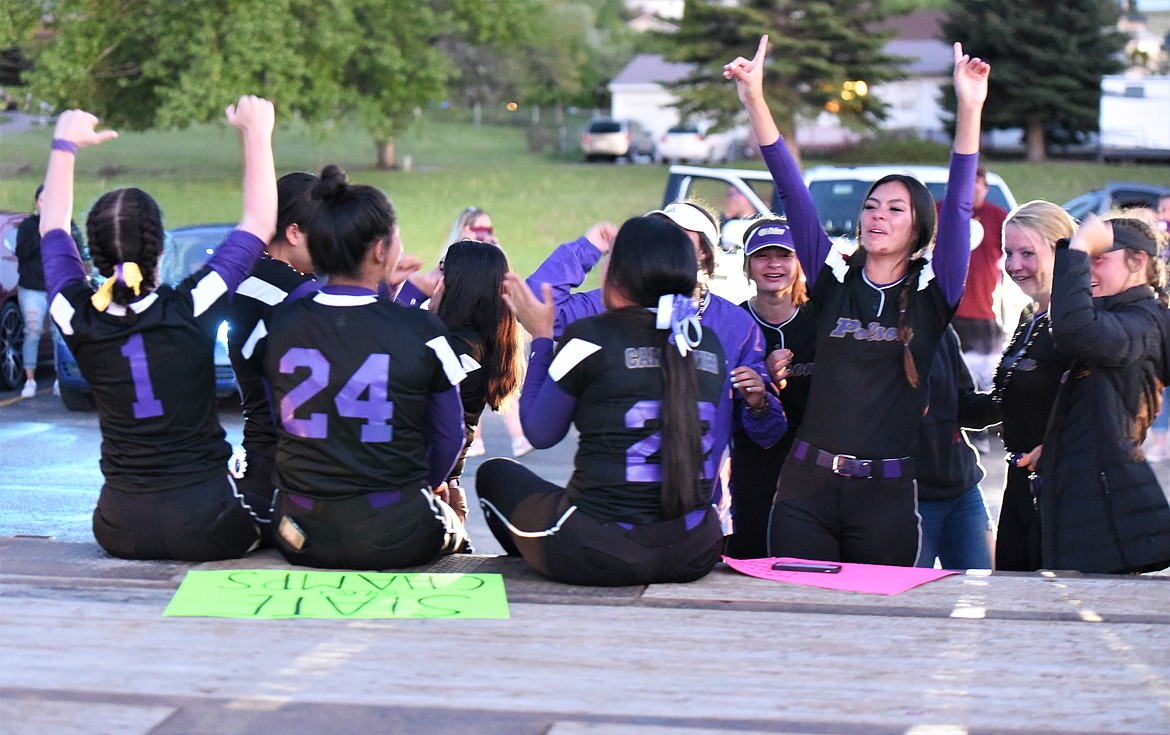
<point x="60" y="144"/>
<point x="679" y="314"/>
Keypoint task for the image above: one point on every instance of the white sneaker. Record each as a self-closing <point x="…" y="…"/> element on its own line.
<point x="56" y="387"/>
<point x="30" y="389"/>
<point x="476" y="448"/>
<point x="520" y="446"/>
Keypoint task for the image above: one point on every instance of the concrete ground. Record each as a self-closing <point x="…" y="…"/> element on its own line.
<point x="85" y="648"/>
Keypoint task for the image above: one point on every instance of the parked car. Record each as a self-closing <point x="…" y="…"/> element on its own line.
<point x="11" y="320"/>
<point x="1115" y="195"/>
<point x="186" y="250"/>
<point x="692" y="143"/>
<point x="605" y="138"/>
<point x="837" y="192"/>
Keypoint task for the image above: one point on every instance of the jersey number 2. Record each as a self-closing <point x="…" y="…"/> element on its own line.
<point x="372" y="376"/>
<point x="638" y="466"/>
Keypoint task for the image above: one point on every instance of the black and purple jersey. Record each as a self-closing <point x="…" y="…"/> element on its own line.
<point x="606" y="379"/>
<point x="860" y="402"/>
<point x="365" y="392"/>
<point x="151" y="365"/>
<point x="469" y="347"/>
<point x="797" y="334"/>
<point x="270" y="283"/>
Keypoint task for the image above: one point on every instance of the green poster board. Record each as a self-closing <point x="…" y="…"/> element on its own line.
<point x="281" y="593"/>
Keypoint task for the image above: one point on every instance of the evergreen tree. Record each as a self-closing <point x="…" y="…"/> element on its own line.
<point x="816" y="48"/>
<point x="1047" y="60"/>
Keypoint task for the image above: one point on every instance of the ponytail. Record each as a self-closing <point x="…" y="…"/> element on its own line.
<point x="905" y="330"/>
<point x="682" y="489"/>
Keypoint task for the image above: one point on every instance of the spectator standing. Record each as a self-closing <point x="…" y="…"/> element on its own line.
<point x="1101" y="507"/>
<point x="32" y="292"/>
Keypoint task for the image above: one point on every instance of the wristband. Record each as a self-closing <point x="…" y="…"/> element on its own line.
<point x="67" y="146"/>
<point x="759" y="411"/>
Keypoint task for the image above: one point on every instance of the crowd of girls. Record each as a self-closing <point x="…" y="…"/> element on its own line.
<point x="360" y="408"/>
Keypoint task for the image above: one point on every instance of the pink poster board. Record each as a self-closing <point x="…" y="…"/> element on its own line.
<point x="872" y="578"/>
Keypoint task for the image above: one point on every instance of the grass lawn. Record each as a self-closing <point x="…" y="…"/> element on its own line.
<point x="537" y="201"/>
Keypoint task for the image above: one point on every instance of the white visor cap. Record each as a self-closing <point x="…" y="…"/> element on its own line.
<point x="690" y="217"/>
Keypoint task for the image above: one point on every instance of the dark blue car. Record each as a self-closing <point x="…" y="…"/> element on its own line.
<point x="186" y="250"/>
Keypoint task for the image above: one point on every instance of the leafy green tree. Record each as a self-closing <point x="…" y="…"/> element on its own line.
<point x="1047" y="60"/>
<point x="816" y="47"/>
<point x="146" y="63"/>
<point x="566" y="57"/>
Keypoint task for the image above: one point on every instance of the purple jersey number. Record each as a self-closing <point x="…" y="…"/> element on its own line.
<point x="372" y="376"/>
<point x="375" y="409"/>
<point x="638" y="465"/>
<point x="145" y="404"/>
<point x="317" y="425"/>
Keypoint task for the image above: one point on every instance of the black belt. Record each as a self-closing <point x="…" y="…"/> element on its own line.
<point x="847" y="465"/>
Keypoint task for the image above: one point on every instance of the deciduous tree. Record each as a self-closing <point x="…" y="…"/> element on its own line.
<point x="146" y="63"/>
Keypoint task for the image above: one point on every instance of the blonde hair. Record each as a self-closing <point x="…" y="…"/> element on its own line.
<point x="1050" y="221"/>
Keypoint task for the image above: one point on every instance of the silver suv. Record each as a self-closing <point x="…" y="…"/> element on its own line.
<point x="607" y="139"/>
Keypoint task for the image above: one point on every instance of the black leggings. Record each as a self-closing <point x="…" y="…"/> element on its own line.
<point x="385" y="530"/>
<point x="533" y="518"/>
<point x="1017" y="542"/>
<point x="821" y="515"/>
<point x="202" y="522"/>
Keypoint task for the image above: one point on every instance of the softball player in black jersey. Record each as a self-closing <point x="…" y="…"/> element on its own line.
<point x="147" y="351"/>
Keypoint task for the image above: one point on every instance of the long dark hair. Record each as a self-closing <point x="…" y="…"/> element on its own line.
<point x="125" y="225"/>
<point x="925" y="220"/>
<point x="350" y="219"/>
<point x="473" y="278"/>
<point x="294" y="202"/>
<point x="651" y="257"/>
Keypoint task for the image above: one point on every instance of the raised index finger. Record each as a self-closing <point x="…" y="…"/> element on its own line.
<point x="761" y="51"/>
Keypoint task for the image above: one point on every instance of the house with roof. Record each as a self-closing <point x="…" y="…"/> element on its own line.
<point x="640" y="90"/>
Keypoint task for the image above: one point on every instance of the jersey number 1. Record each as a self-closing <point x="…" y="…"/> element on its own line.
<point x="145" y="404"/>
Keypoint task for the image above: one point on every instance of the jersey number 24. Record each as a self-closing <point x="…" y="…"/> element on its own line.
<point x="373" y="376"/>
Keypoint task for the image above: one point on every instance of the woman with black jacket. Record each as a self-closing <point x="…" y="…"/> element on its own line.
<point x="1101" y="507"/>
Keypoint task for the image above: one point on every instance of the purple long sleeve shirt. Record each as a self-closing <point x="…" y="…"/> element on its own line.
<point x="861" y="401"/>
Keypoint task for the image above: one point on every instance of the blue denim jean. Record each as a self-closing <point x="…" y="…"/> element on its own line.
<point x="957" y="532"/>
<point x="34" y="309"/>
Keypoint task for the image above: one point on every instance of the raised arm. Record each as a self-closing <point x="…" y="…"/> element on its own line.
<point x="254" y="118"/>
<point x="812" y="244"/>
<point x="75" y="129"/>
<point x="61" y="261"/>
<point x="952" y="246"/>
<point x="566" y="268"/>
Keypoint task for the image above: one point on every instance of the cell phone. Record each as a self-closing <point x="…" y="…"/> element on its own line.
<point x="806" y="566"/>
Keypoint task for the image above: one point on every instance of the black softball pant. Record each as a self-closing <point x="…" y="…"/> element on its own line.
<point x="383" y="530"/>
<point x="818" y="514"/>
<point x="202" y="522"/>
<point x="533" y="518"/>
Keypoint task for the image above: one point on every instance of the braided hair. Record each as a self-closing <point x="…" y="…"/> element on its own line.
<point x="125" y="225"/>
<point x="924" y="221"/>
